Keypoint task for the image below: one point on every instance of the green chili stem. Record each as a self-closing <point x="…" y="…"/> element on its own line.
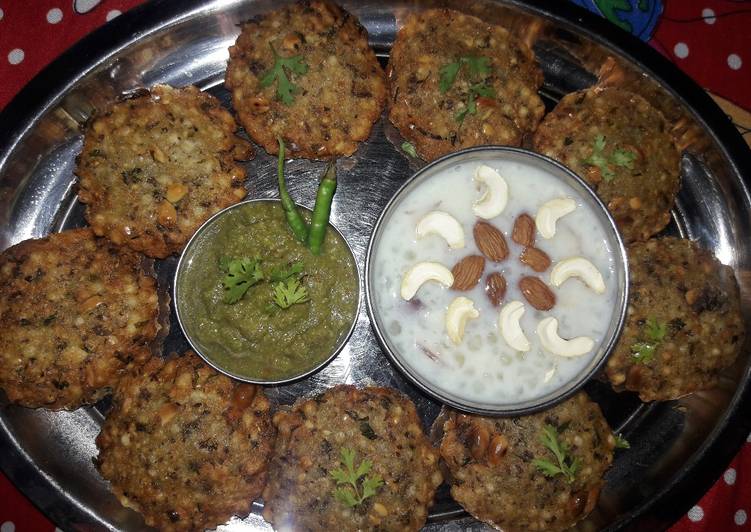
<point x="322" y="210"/>
<point x="294" y="219"/>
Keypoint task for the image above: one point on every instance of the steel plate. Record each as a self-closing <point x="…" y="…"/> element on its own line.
<point x="678" y="448"/>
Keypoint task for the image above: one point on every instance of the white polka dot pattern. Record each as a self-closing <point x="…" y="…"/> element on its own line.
<point x="729" y="476"/>
<point x="696" y="514"/>
<point x="8" y="526"/>
<point x="708" y="15"/>
<point x="112" y="14"/>
<point x="734" y="61"/>
<point x="54" y="15"/>
<point x="681" y="50"/>
<point x="740" y="517"/>
<point x="15" y="57"/>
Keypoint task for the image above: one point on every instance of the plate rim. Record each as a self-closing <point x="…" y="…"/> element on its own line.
<point x="671" y="501"/>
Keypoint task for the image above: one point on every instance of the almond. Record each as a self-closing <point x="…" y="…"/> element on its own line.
<point x="467" y="272"/>
<point x="491" y="241"/>
<point x="495" y="288"/>
<point x="535" y="258"/>
<point x="524" y="230"/>
<point x="537" y="293"/>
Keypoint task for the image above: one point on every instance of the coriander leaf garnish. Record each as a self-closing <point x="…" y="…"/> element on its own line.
<point x="241" y="274"/>
<point x="289" y="292"/>
<point x="643" y="351"/>
<point x="624" y="158"/>
<point x="351" y="477"/>
<point x="619" y="157"/>
<point x="284" y="88"/>
<point x="566" y="465"/>
<point x="448" y="76"/>
<point x="621" y="442"/>
<point x="409" y="149"/>
<point x="654" y="332"/>
<point x="474" y="91"/>
<point x="280" y="273"/>
<point x="477" y="66"/>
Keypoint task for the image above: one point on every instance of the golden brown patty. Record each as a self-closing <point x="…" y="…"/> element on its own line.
<point x="494" y="475"/>
<point x="492" y="100"/>
<point x="622" y="147"/>
<point x="337" y="87"/>
<point x="684" y="322"/>
<point x="76" y="313"/>
<point x="155" y="167"/>
<point x="379" y="426"/>
<point x="186" y="446"/>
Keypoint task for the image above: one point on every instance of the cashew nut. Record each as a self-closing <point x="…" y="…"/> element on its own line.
<point x="578" y="267"/>
<point x="460" y="310"/>
<point x="508" y="323"/>
<point x="549" y="213"/>
<point x="547" y="331"/>
<point x="494" y="199"/>
<point x="442" y="224"/>
<point x="421" y="273"/>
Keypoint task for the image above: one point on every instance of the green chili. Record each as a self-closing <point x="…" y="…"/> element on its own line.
<point x="294" y="218"/>
<point x="322" y="209"/>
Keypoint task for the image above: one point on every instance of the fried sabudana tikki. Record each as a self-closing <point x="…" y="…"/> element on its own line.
<point x="684" y="322"/>
<point x="76" y="313"/>
<point x="456" y="81"/>
<point x="371" y="436"/>
<point x="305" y="73"/>
<point x="505" y="471"/>
<point x="622" y="146"/>
<point x="156" y="166"/>
<point x="185" y="445"/>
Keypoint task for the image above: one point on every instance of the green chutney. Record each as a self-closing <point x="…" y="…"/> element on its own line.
<point x="253" y="338"/>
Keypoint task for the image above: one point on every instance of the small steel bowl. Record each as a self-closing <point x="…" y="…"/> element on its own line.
<point x="187" y="256"/>
<point x="489" y="153"/>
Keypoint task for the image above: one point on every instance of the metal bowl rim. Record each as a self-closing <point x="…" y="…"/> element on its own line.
<point x="550" y="399"/>
<point x="175" y="297"/>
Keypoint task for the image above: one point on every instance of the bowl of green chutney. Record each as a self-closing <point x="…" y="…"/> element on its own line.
<point x="256" y="304"/>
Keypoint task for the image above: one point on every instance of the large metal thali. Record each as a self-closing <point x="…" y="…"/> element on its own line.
<point x="677" y="448"/>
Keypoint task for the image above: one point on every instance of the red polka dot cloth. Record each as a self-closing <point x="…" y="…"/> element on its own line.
<point x="709" y="39"/>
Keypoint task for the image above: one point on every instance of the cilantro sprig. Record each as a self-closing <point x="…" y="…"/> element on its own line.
<point x="619" y="157"/>
<point x="478" y="67"/>
<point x="566" y="465"/>
<point x="284" y="87"/>
<point x="356" y="485"/>
<point x="654" y="332"/>
<point x="240" y="275"/>
<point x="290" y="292"/>
<point x="282" y="273"/>
<point x="409" y="149"/>
<point x="621" y="442"/>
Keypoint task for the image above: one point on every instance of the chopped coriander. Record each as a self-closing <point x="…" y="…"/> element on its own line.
<point x="654" y="332"/>
<point x="241" y="274"/>
<point x="621" y="442"/>
<point x="284" y="88"/>
<point x="474" y="91"/>
<point x="643" y="351"/>
<point x="477" y="66"/>
<point x="566" y="465"/>
<point x="409" y="149"/>
<point x="362" y="488"/>
<point x="281" y="273"/>
<point x="619" y="157"/>
<point x="624" y="158"/>
<point x="289" y="292"/>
